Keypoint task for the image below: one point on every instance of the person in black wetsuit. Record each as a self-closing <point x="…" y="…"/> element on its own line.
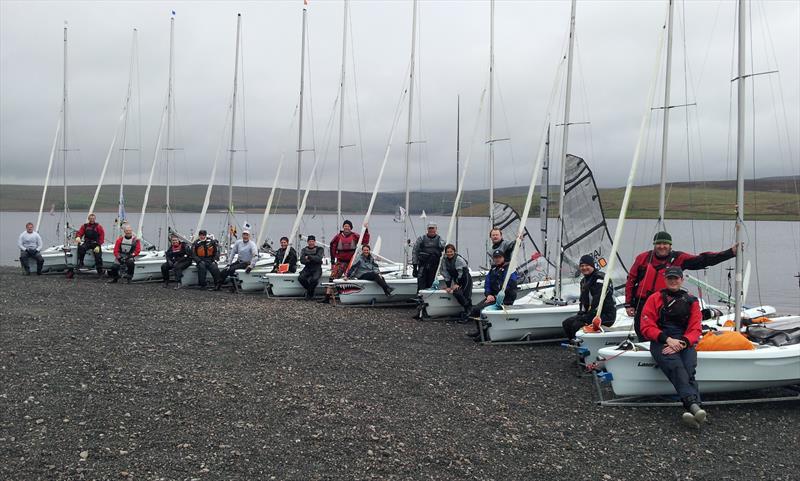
<point x="311" y="257"/>
<point x="425" y="257"/>
<point x="591" y="289"/>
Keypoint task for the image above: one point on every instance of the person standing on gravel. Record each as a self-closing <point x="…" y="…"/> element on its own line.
<point x="30" y="246"/>
<point x="425" y="257"/>
<point x="646" y="275"/>
<point x="591" y="288"/>
<point x="126" y="248"/>
<point x="179" y="257"/>
<point x="90" y="237"/>
<point x="311" y="257"/>
<point x="671" y="322"/>
<point x="205" y="252"/>
<point x="243" y="255"/>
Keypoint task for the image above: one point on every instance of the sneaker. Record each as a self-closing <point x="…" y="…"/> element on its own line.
<point x="389" y="291"/>
<point x="114" y="280"/>
<point x="689" y="420"/>
<point x="699" y="413"/>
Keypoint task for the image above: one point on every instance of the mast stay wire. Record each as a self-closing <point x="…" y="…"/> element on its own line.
<point x="753" y="154"/>
<point x="357" y="109"/>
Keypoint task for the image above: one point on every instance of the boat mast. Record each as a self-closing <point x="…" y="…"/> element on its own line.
<point x="544" y="199"/>
<point x="458" y="156"/>
<point x="491" y="114"/>
<point x="64" y="138"/>
<point x="665" y="129"/>
<point x="233" y="125"/>
<point x="564" y="145"/>
<point x="341" y="114"/>
<point x="408" y="132"/>
<point x="740" y="166"/>
<point x="170" y="100"/>
<point x="300" y="122"/>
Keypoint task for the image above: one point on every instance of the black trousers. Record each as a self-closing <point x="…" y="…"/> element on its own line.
<point x="680" y="370"/>
<point x="463" y="295"/>
<point x="374" y="276"/>
<point x="309" y="278"/>
<point x="98" y="256"/>
<point x="230" y="270"/>
<point x="575" y="323"/>
<point x="426" y="275"/>
<point x="205" y="266"/>
<point x="177" y="267"/>
<point x="129" y="263"/>
<point x="23" y="259"/>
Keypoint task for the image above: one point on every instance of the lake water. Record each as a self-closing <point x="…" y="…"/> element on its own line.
<point x="773" y="248"/>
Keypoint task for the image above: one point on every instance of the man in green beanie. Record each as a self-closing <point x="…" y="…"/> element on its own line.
<point x="646" y="275"/>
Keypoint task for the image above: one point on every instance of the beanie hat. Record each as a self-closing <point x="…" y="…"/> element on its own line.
<point x="662" y="237"/>
<point x="347" y="222"/>
<point x="587" y="259"/>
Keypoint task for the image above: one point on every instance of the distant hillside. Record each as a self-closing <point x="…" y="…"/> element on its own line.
<point x="772" y="198"/>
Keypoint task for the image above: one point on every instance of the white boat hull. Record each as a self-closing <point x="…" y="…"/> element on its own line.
<point x="439" y="303"/>
<point x="635" y="373"/>
<point x="287" y="285"/>
<point x="354" y="291"/>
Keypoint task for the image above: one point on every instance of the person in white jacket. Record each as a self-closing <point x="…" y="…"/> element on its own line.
<point x="30" y="247"/>
<point x="243" y="255"/>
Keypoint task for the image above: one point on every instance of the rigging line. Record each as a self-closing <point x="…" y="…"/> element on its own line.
<point x="753" y="122"/>
<point x="357" y="109"/>
<point x="243" y="103"/>
<point x="508" y="124"/>
<point x="686" y="113"/>
<point x="587" y="132"/>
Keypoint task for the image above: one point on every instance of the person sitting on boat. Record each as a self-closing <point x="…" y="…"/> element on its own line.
<point x="342" y="249"/>
<point x="285" y="262"/>
<point x="425" y="257"/>
<point x="457" y="279"/>
<point x="365" y="268"/>
<point x="646" y="275"/>
<point x="30" y="247"/>
<point x="493" y="284"/>
<point x="126" y="248"/>
<point x="242" y="255"/>
<point x="205" y="252"/>
<point x="179" y="257"/>
<point x="671" y="322"/>
<point x="311" y="257"/>
<point x="496" y="236"/>
<point x="90" y="237"/>
<point x="591" y="289"/>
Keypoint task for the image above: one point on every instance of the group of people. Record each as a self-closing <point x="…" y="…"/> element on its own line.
<point x="664" y="314"/>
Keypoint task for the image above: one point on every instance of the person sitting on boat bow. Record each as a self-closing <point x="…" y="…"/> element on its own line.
<point x="126" y="248"/>
<point x="671" y="321"/>
<point x="425" y="257"/>
<point x="178" y="258"/>
<point x="591" y="288"/>
<point x="30" y="247"/>
<point x="493" y="284"/>
<point x="205" y="253"/>
<point x="457" y="279"/>
<point x="342" y="249"/>
<point x="311" y="257"/>
<point x="646" y="275"/>
<point x="285" y="262"/>
<point x="365" y="268"/>
<point x="90" y="237"/>
<point x="242" y="255"/>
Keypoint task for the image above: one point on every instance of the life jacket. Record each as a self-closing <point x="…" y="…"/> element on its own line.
<point x="206" y="249"/>
<point x="649" y="275"/>
<point x="127" y="246"/>
<point x="430" y="250"/>
<point x="586" y="293"/>
<point x="505" y="246"/>
<point x="451" y="266"/>
<point x="347" y="243"/>
<point x="90" y="233"/>
<point x="675" y="309"/>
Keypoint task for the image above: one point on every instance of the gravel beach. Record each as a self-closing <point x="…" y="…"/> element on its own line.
<point x="102" y="381"/>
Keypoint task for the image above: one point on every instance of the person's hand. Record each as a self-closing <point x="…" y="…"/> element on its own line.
<point x="455" y="287"/>
<point x="96" y="249"/>
<point x="448" y="290"/>
<point x="490" y="298"/>
<point x="735" y="247"/>
<point x="672" y="346"/>
<point x="630" y="311"/>
<point x="77" y="240"/>
<point x="366" y="225"/>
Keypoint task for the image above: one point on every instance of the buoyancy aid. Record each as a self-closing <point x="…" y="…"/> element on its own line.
<point x="127" y="246"/>
<point x="676" y="309"/>
<point x="90" y="233"/>
<point x="347" y="243"/>
<point x="649" y="279"/>
<point x="431" y="249"/>
<point x="206" y="249"/>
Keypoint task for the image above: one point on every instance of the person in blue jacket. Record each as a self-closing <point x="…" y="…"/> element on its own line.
<point x="494" y="283"/>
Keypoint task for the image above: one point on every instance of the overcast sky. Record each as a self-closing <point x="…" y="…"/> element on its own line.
<point x="616" y="44"/>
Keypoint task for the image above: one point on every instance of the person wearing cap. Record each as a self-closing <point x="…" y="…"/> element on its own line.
<point x="493" y="284"/>
<point x="205" y="252"/>
<point x="178" y="257"/>
<point x="90" y="237"/>
<point x="283" y="258"/>
<point x="646" y="274"/>
<point x="342" y="248"/>
<point x="365" y="268"/>
<point x="242" y="255"/>
<point x="671" y="322"/>
<point x="425" y="257"/>
<point x="311" y="257"/>
<point x="126" y="248"/>
<point x="496" y="237"/>
<point x="30" y="247"/>
<point x="591" y="289"/>
<point x="457" y="279"/>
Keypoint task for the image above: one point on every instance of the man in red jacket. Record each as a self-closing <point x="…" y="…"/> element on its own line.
<point x="90" y="237"/>
<point x="646" y="275"/>
<point x="126" y="249"/>
<point x="343" y="247"/>
<point x="671" y="322"/>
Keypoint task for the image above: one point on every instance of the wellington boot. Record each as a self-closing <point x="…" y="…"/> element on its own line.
<point x="699" y="413"/>
<point x="689" y="420"/>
